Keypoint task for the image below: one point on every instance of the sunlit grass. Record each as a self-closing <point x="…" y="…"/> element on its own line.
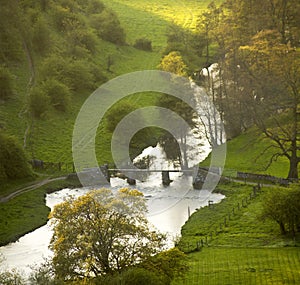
<point x="220" y="266"/>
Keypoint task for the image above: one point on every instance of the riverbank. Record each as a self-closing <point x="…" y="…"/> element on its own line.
<point x="27" y="212"/>
<point x="230" y="242"/>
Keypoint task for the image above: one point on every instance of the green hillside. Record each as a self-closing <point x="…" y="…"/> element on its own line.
<point x="49" y="138"/>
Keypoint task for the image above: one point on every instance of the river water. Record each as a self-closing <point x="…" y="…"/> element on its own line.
<point x="168" y="210"/>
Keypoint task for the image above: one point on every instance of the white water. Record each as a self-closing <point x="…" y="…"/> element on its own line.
<point x="168" y="211"/>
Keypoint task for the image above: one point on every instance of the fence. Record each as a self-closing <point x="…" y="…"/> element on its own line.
<point x="222" y="224"/>
<point x="263" y="177"/>
<point x="53" y="166"/>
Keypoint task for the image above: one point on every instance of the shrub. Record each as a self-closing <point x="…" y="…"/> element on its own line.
<point x="83" y="38"/>
<point x="108" y="27"/>
<point x="6" y="83"/>
<point x="75" y="74"/>
<point x="137" y="276"/>
<point x="41" y="40"/>
<point x="143" y="44"/>
<point x="58" y="93"/>
<point x="13" y="162"/>
<point x="95" y="7"/>
<point x="38" y="102"/>
<point x="78" y="76"/>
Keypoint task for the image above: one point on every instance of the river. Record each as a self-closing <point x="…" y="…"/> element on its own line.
<point x="168" y="211"/>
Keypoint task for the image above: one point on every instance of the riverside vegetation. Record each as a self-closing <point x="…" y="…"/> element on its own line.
<point x="54" y="54"/>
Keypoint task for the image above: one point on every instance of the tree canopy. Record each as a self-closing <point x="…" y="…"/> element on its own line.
<point x="101" y="233"/>
<point x="256" y="45"/>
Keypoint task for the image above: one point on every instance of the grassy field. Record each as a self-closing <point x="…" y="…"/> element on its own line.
<point x="150" y="18"/>
<point x="247" y="250"/>
<point x="247" y="153"/>
<point x="50" y="138"/>
<point x="27" y="212"/>
<point x="243" y="266"/>
<point x="244" y="226"/>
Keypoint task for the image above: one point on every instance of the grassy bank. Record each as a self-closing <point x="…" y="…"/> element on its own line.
<point x="220" y="266"/>
<point x="27" y="211"/>
<point x="239" y="246"/>
<point x="251" y="152"/>
<point x="235" y="222"/>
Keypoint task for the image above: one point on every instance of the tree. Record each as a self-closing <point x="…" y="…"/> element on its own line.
<point x="11" y="277"/>
<point x="169" y="264"/>
<point x="99" y="233"/>
<point x="6" y="83"/>
<point x="108" y="27"/>
<point x="282" y="206"/>
<point x="58" y="93"/>
<point x="173" y="63"/>
<point x="13" y="161"/>
<point x="258" y="61"/>
<point x="38" y="102"/>
<point x="140" y="140"/>
<point x="274" y="70"/>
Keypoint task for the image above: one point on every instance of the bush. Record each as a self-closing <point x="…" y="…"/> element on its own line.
<point x="6" y="83"/>
<point x="13" y="162"/>
<point x="78" y="76"/>
<point x="95" y="7"/>
<point x="83" y="38"/>
<point x="137" y="276"/>
<point x="38" y="102"/>
<point x="41" y="40"/>
<point x="58" y="93"/>
<point x="143" y="44"/>
<point x="108" y="27"/>
<point x="75" y="74"/>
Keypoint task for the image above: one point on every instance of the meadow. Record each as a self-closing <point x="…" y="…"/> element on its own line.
<point x="243" y="266"/>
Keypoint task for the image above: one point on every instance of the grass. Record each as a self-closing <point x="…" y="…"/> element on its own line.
<point x="244" y="227"/>
<point x="28" y="211"/>
<point x="249" y="153"/>
<point x="22" y="215"/>
<point x="248" y="250"/>
<point x="223" y="266"/>
<point x="51" y="137"/>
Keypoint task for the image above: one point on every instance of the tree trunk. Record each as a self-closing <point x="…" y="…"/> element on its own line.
<point x="282" y="228"/>
<point x="293" y="171"/>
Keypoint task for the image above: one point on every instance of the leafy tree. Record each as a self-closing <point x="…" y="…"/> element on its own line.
<point x="41" y="39"/>
<point x="11" y="277"/>
<point x="273" y="69"/>
<point x="77" y="75"/>
<point x="10" y="36"/>
<point x="169" y="264"/>
<point x="174" y="63"/>
<point x="58" y="93"/>
<point x="6" y="83"/>
<point x="108" y="27"/>
<point x="258" y="65"/>
<point x="189" y="44"/>
<point x="143" y="137"/>
<point x="38" y="102"/>
<point x="282" y="206"/>
<point x="13" y="162"/>
<point x="95" y="7"/>
<point x="99" y="233"/>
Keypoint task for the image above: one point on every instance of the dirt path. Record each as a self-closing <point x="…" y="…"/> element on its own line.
<point x="29" y="188"/>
